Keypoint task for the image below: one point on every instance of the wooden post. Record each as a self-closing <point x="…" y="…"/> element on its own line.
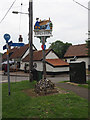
<point x="44" y="57"/>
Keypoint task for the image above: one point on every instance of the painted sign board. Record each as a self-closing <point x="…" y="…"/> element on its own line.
<point x="43" y="47"/>
<point x="39" y="33"/>
<point x="5" y="46"/>
<point x="17" y="44"/>
<point x="7" y="37"/>
<point x="13" y="44"/>
<point x="43" y="28"/>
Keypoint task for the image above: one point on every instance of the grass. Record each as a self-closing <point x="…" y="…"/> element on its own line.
<point x="88" y="72"/>
<point x="87" y="85"/>
<point x="19" y="105"/>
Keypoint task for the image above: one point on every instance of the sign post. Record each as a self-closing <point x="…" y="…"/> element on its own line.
<point x="44" y="63"/>
<point x="8" y="73"/>
<point x="43" y="30"/>
<point x="7" y="37"/>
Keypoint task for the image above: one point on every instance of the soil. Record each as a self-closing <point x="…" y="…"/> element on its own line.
<point x="32" y="93"/>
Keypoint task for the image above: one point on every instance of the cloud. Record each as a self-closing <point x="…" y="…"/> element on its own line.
<point x="70" y="21"/>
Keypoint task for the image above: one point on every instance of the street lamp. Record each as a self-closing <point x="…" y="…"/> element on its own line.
<point x="16" y="12"/>
<point x="30" y="37"/>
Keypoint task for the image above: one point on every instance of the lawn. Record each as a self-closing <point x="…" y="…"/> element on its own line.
<point x="88" y="72"/>
<point x="87" y="85"/>
<point x="20" y="105"/>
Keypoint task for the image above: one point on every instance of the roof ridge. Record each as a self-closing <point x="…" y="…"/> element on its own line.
<point x="78" y="45"/>
<point x="76" y="50"/>
<point x="54" y="59"/>
<point x="41" y="50"/>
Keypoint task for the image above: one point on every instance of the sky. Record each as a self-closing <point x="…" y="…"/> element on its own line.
<point x="70" y="20"/>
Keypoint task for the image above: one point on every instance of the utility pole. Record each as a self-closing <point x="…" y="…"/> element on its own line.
<point x="89" y="35"/>
<point x="30" y="40"/>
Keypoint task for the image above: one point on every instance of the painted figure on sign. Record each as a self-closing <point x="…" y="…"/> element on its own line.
<point x="48" y="26"/>
<point x="37" y="26"/>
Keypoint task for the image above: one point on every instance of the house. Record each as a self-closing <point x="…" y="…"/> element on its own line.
<point x="17" y="54"/>
<point x="77" y="53"/>
<point x="11" y="51"/>
<point x="53" y="63"/>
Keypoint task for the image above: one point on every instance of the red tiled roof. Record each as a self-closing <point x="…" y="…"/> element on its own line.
<point x="4" y="56"/>
<point x="19" y="52"/>
<point x="57" y="62"/>
<point x="76" y="50"/>
<point x="37" y="55"/>
<point x="43" y="22"/>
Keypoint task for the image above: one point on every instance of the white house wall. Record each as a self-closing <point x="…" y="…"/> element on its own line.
<point x="51" y="55"/>
<point x="26" y="53"/>
<point x="22" y="65"/>
<point x="49" y="68"/>
<point x="39" y="65"/>
<point x="85" y="60"/>
<point x="80" y="59"/>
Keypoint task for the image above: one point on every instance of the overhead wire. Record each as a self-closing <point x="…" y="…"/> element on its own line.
<point x="81" y="4"/>
<point x="20" y="18"/>
<point x="19" y="6"/>
<point x="7" y="11"/>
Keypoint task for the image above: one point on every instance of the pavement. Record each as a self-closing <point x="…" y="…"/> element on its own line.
<point x="20" y="76"/>
<point x="80" y="91"/>
<point x="18" y="73"/>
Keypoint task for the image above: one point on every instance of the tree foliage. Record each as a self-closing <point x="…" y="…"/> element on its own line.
<point x="60" y="48"/>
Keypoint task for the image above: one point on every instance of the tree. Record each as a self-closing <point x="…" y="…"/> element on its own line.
<point x="59" y="47"/>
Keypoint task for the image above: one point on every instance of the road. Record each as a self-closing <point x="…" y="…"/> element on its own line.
<point x="17" y="78"/>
